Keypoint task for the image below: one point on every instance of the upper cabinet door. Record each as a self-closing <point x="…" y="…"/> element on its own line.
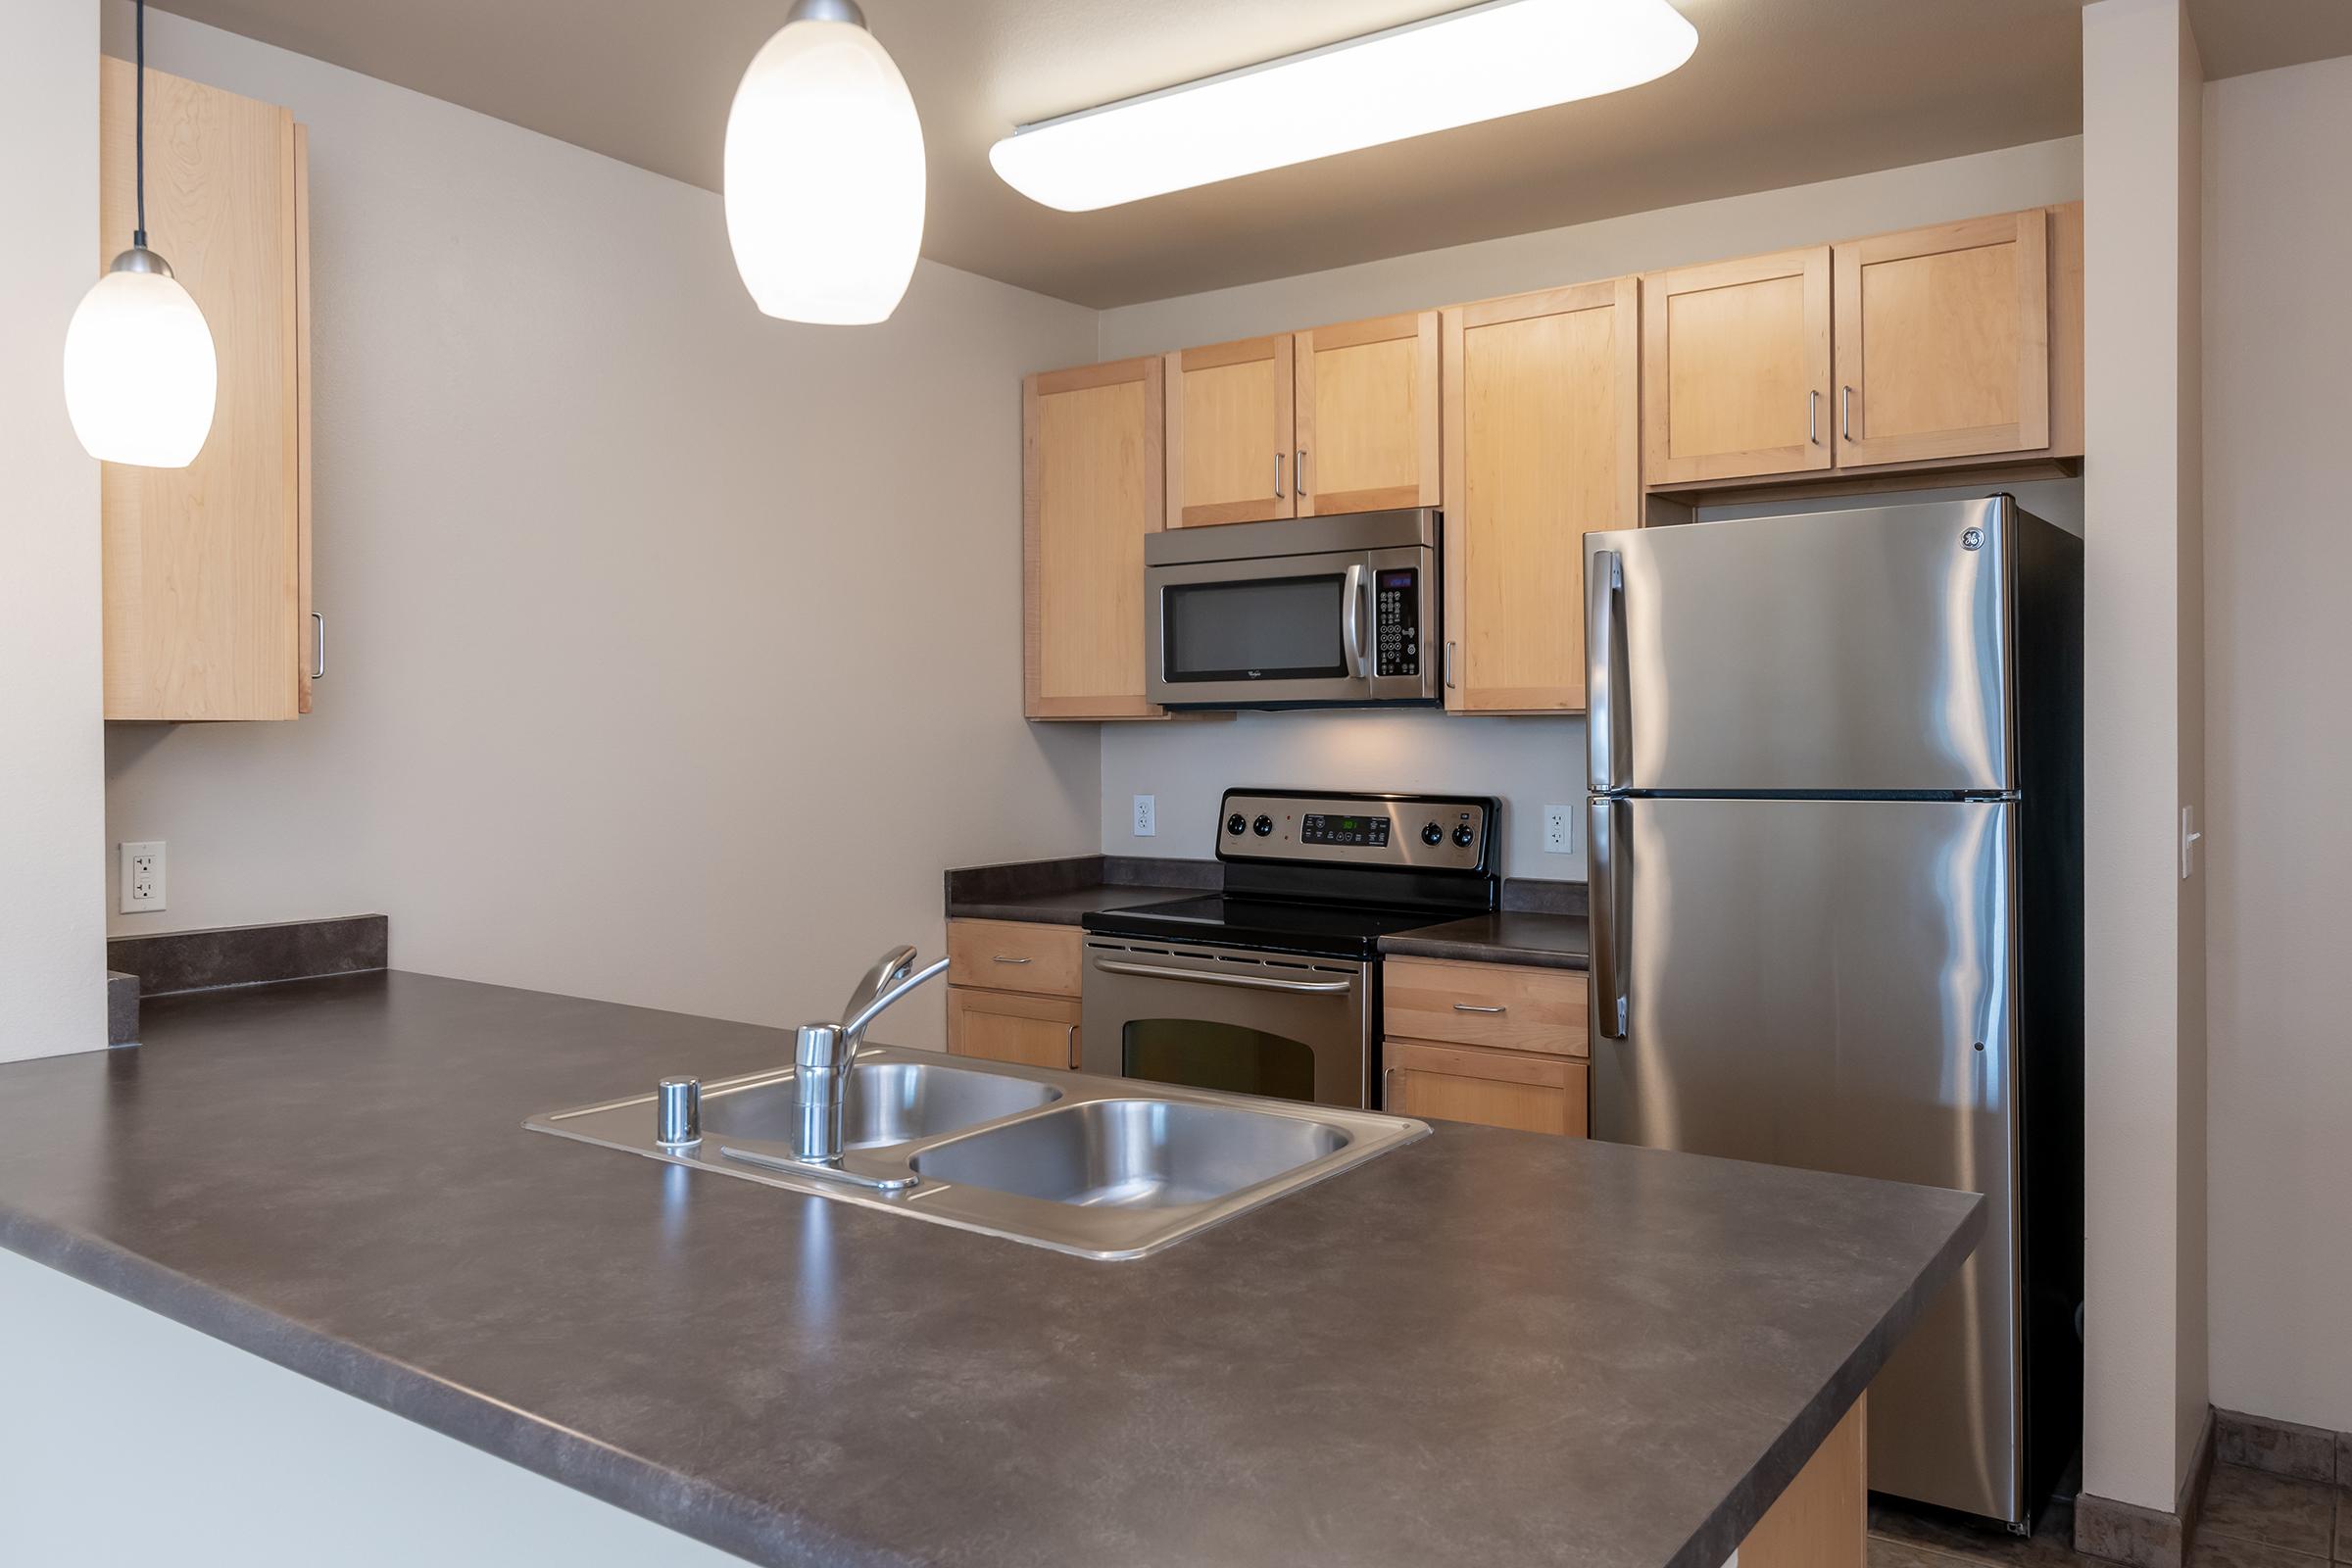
<point x="1090" y="489"/>
<point x="1542" y="445"/>
<point x="204" y="566"/>
<point x="1943" y="341"/>
<point x="1735" y="362"/>
<point x="1367" y="406"/>
<point x="1229" y="433"/>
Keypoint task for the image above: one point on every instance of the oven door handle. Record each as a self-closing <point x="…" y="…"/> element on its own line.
<point x="1351" y="622"/>
<point x="1248" y="982"/>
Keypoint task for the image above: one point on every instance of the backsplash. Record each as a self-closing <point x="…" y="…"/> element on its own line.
<point x="1529" y="762"/>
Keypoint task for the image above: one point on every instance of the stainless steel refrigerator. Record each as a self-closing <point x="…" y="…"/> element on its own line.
<point x="1835" y="861"/>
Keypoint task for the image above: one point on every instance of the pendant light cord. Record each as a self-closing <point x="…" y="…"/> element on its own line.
<point x="139" y="237"/>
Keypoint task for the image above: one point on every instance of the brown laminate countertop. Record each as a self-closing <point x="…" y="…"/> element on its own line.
<point x="1487" y="1346"/>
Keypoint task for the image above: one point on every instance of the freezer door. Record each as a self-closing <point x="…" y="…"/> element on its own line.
<point x="1828" y="985"/>
<point x="1840" y="651"/>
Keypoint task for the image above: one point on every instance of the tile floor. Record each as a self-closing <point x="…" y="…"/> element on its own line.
<point x="2252" y="1520"/>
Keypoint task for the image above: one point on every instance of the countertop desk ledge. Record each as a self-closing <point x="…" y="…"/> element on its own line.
<point x="1485" y="1346"/>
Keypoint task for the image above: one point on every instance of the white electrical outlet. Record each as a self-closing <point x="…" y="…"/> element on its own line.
<point x="1559" y="830"/>
<point x="1147" y="816"/>
<point x="142" y="877"/>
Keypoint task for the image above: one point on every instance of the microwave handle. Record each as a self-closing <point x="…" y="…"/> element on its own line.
<point x="1351" y="622"/>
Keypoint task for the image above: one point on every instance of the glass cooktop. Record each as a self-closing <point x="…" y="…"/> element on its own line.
<point x="1340" y="930"/>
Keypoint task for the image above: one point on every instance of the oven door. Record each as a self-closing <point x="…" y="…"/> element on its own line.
<point x="1212" y="1017"/>
<point x="1355" y="627"/>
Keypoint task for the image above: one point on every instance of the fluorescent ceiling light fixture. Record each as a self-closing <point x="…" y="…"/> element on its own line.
<point x="1483" y="62"/>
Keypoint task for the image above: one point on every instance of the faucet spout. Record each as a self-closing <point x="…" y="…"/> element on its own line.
<point x="824" y="1053"/>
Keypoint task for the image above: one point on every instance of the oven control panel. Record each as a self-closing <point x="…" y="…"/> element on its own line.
<point x="1398" y="832"/>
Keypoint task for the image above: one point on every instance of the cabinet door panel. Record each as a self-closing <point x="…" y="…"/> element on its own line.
<point x="1943" y="341"/>
<point x="202" y="570"/>
<point x="1229" y="433"/>
<point x="1735" y="366"/>
<point x="1368" y="410"/>
<point x="1027" y="1031"/>
<point x="1492" y="1087"/>
<point x="1542" y="445"/>
<point x="1091" y="491"/>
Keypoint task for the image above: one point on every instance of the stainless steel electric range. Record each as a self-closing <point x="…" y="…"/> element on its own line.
<point x="1272" y="986"/>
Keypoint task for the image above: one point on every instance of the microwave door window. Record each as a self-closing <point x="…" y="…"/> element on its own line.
<point x="1283" y="629"/>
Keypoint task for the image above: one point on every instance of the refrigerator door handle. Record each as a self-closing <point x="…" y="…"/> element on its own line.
<point x="1610" y="860"/>
<point x="1605" y="737"/>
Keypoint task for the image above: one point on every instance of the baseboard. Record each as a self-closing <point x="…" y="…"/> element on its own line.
<point x="2281" y="1447"/>
<point x="2147" y="1537"/>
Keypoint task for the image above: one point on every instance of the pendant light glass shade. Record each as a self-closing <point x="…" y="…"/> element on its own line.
<point x="140" y="375"/>
<point x="824" y="174"/>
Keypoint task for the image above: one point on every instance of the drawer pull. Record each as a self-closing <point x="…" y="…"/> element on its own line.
<point x="1464" y="1006"/>
<point x="1000" y="959"/>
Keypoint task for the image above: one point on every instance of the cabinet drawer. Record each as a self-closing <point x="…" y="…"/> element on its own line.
<point x="1527" y="1092"/>
<point x="1516" y="1007"/>
<point x="1001" y="1026"/>
<point x="1013" y="955"/>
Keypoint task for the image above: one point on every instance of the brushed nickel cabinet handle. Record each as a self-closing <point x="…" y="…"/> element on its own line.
<point x="1464" y="1006"/>
<point x="317" y="646"/>
<point x="1387" y="1077"/>
<point x="1845" y="413"/>
<point x="1000" y="959"/>
<point x="1278" y="476"/>
<point x="1299" y="472"/>
<point x="1813" y="417"/>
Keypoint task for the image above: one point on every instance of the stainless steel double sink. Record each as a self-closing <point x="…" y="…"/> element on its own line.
<point x="1096" y="1167"/>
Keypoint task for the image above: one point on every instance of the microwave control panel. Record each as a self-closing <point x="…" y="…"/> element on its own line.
<point x="1396" y="613"/>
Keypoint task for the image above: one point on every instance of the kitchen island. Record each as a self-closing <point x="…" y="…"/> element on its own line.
<point x="1485" y="1345"/>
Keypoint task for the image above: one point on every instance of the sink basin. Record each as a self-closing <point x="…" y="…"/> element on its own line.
<point x="883" y="1103"/>
<point x="1099" y="1168"/>
<point x="1132" y="1153"/>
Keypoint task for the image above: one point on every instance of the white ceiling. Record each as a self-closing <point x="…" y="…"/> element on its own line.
<point x="1781" y="92"/>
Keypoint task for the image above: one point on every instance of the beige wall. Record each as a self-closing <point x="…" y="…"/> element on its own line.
<point x="2279" y="746"/>
<point x="51" y="977"/>
<point x="2144" y="1061"/>
<point x="676" y="651"/>
<point x="1531" y="762"/>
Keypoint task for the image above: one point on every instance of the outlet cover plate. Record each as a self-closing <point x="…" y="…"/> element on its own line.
<point x="142" y="876"/>
<point x="1559" y="830"/>
<point x="1147" y="816"/>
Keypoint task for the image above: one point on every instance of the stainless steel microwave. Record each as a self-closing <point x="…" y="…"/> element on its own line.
<point x="1338" y="612"/>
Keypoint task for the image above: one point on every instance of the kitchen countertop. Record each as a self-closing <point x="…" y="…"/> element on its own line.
<point x="1506" y="936"/>
<point x="1487" y="1346"/>
<point x="1540" y="923"/>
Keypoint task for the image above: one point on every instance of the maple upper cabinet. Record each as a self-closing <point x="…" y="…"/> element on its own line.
<point x="1735" y="361"/>
<point x="1090" y="489"/>
<point x="1365" y="396"/>
<point x="207" y="567"/>
<point x="1943" y="341"/>
<point x="1542" y="445"/>
<point x="1229" y="446"/>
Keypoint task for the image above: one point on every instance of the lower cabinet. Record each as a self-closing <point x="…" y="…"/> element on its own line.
<point x="1494" y="1088"/>
<point x="1501" y="1044"/>
<point x="1006" y="1026"/>
<point x="1012" y="992"/>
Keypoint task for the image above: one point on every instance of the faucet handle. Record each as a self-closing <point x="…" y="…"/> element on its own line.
<point x="888" y="970"/>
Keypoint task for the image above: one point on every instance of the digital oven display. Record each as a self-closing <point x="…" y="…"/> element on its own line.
<point x="1370" y="831"/>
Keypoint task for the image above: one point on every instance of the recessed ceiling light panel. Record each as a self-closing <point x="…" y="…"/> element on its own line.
<point x="1483" y="62"/>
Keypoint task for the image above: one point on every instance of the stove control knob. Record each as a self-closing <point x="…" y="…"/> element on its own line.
<point x="1465" y="835"/>
<point x="1263" y="826"/>
<point x="1235" y="823"/>
<point x="1433" y="835"/>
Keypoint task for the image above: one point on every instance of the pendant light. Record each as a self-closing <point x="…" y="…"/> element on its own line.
<point x="140" y="375"/>
<point x="824" y="172"/>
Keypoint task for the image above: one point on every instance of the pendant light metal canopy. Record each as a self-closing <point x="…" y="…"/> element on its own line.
<point x="140" y="373"/>
<point x="1482" y="62"/>
<point x="824" y="173"/>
